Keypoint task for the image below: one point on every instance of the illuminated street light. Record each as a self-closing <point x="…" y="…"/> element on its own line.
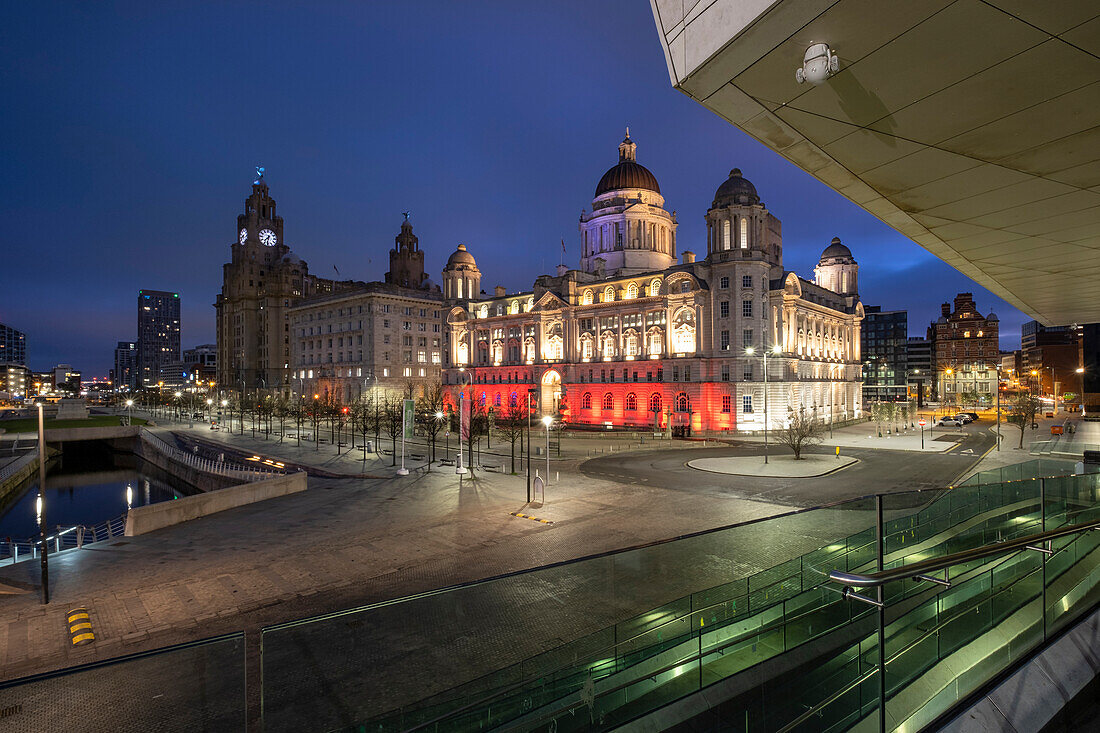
<point x="547" y="421"/>
<point x="775" y="350"/>
<point x="1081" y="372"/>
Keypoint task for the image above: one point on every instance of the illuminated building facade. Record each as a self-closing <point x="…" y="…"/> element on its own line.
<point x="634" y="338"/>
<point x="158" y="341"/>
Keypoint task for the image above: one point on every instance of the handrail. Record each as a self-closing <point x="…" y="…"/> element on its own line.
<point x="924" y="567"/>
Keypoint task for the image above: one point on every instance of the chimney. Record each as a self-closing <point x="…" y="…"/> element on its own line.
<point x="499" y="291"/>
<point x="945" y="309"/>
<point x="689" y="256"/>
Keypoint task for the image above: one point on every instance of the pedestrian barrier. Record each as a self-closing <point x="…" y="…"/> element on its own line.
<point x="207" y="465"/>
<point x="69" y="538"/>
<point x="80" y="627"/>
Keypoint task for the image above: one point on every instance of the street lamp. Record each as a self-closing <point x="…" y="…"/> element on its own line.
<point x="224" y="403"/>
<point x="129" y="412"/>
<point x="178" y="394"/>
<point x="1053" y="392"/>
<point x="775" y="350"/>
<point x="547" y="420"/>
<point x="209" y="405"/>
<point x="530" y="400"/>
<point x="1081" y="372"/>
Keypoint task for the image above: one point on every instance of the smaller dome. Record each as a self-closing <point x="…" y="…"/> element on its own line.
<point x="735" y="190"/>
<point x="461" y="257"/>
<point x="836" y="250"/>
<point x="992" y="317"/>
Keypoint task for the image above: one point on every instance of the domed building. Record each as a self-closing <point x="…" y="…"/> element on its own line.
<point x="628" y="229"/>
<point x="634" y="338"/>
<point x="461" y="278"/>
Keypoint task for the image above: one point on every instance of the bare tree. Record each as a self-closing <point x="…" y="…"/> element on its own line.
<point x="511" y="423"/>
<point x="429" y="404"/>
<point x="392" y="413"/>
<point x="1021" y="412"/>
<point x="802" y="430"/>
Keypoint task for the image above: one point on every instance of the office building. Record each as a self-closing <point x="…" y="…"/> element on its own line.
<point x="158" y="340"/>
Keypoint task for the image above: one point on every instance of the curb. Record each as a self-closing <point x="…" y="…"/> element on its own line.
<point x="528" y="516"/>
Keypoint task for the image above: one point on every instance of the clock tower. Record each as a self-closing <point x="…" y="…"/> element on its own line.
<point x="262" y="279"/>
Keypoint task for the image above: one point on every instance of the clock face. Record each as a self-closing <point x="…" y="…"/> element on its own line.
<point x="268" y="238"/>
<point x="244" y="236"/>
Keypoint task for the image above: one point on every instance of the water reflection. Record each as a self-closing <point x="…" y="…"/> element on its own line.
<point x="83" y="492"/>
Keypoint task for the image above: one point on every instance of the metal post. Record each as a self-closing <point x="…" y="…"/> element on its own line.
<point x="998" y="408"/>
<point x="529" y="392"/>
<point x="765" y="405"/>
<point x="881" y="593"/>
<point x="547" y="455"/>
<point x="1043" y="559"/>
<point x="42" y="502"/>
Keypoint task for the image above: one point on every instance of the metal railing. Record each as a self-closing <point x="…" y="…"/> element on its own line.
<point x="68" y="538"/>
<point x="208" y="465"/>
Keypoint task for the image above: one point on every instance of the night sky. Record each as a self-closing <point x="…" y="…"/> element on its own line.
<point x="131" y="131"/>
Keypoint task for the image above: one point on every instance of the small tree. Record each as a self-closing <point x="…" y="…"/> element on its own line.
<point x="511" y="423"/>
<point x="1021" y="412"/>
<point x="428" y="405"/>
<point x="803" y="429"/>
<point x="392" y="413"/>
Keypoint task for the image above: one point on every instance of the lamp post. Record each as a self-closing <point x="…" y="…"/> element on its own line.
<point x="530" y="399"/>
<point x="1081" y="374"/>
<point x="464" y="376"/>
<point x="1053" y="390"/>
<point x="40" y="504"/>
<point x="998" y="386"/>
<point x="775" y="350"/>
<point x="547" y="420"/>
<point x="224" y="403"/>
<point x="129" y="411"/>
<point x="209" y="406"/>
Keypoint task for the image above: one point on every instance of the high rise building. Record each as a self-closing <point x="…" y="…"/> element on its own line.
<point x="918" y="356"/>
<point x="13" y="346"/>
<point x="260" y="282"/>
<point x="965" y="353"/>
<point x="124" y="375"/>
<point x="884" y="348"/>
<point x="158" y="340"/>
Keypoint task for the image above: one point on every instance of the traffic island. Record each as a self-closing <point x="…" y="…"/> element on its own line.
<point x="781" y="466"/>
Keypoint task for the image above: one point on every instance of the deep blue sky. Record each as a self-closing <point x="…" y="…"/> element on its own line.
<point x="130" y="133"/>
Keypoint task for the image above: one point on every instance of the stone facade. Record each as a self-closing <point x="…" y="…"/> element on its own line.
<point x="614" y="342"/>
<point x="262" y="280"/>
<point x="965" y="352"/>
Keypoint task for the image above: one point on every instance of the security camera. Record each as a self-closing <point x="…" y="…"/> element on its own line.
<point x="818" y="64"/>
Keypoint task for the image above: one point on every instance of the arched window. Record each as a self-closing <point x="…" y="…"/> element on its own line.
<point x="530" y="304"/>
<point x="496" y="400"/>
<point x="512" y="399"/>
<point x="631" y="345"/>
<point x="726" y="234"/>
<point x="631" y="291"/>
<point x="513" y="308"/>
<point x="608" y="294"/>
<point x="654" y="288"/>
<point x="609" y="346"/>
<point x="655" y="402"/>
<point x="481" y="400"/>
<point x="744" y="233"/>
<point x="586" y="401"/>
<point x="586" y="347"/>
<point x="608" y="402"/>
<point x="483" y="312"/>
<point x="586" y="298"/>
<point x="655" y="340"/>
<point x="463" y="354"/>
<point x="632" y="402"/>
<point x="682" y="403"/>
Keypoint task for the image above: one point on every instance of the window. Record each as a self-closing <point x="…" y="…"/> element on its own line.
<point x="746" y="281"/>
<point x="747" y="376"/>
<point x="608" y="401"/>
<point x="682" y="404"/>
<point x="724" y="309"/>
<point x="744" y="233"/>
<point x="586" y="401"/>
<point x="631" y="402"/>
<point x="726" y="403"/>
<point x="746" y="338"/>
<point x="655" y="288"/>
<point x="725" y="373"/>
<point x="408" y="372"/>
<point x="586" y="299"/>
<point x="746" y="403"/>
<point x="655" y="402"/>
<point x="496" y="401"/>
<point x="406" y="326"/>
<point x="746" y="308"/>
<point x="725" y="340"/>
<point x="726" y="234"/>
<point x="631" y="291"/>
<point x="724" y="282"/>
<point x="608" y="294"/>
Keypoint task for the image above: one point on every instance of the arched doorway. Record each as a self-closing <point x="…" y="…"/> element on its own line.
<point x="550" y="396"/>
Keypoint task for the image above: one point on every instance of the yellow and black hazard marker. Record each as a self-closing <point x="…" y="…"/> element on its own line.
<point x="80" y="627"/>
<point x="528" y="516"/>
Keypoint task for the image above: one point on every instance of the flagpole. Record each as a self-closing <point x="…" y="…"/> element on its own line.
<point x="404" y="414"/>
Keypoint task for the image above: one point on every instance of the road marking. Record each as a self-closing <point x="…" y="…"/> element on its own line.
<point x="968" y="450"/>
<point x="528" y="516"/>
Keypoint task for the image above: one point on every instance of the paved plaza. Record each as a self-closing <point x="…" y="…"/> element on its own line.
<point x="785" y="466"/>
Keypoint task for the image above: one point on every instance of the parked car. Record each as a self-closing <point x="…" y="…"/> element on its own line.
<point x="972" y="415"/>
<point x="964" y="417"/>
<point x="952" y="422"/>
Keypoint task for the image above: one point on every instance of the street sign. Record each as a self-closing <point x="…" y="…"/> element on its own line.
<point x="922" y="423"/>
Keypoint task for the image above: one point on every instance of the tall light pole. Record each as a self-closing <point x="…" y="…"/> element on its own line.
<point x="40" y="504"/>
<point x="530" y="398"/>
<point x="1081" y="374"/>
<point x="776" y="350"/>
<point x="1053" y="391"/>
<point x="129" y="412"/>
<point x="547" y="420"/>
<point x="998" y="386"/>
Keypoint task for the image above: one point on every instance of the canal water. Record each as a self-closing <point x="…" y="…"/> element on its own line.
<point x="87" y="485"/>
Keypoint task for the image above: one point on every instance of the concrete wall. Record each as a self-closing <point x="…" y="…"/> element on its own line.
<point x="165" y="514"/>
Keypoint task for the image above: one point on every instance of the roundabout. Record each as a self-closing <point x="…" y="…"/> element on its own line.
<point x="782" y="466"/>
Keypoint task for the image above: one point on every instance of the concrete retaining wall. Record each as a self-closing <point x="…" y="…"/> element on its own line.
<point x="148" y="518"/>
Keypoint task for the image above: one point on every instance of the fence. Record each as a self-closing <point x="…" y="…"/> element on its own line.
<point x="70" y="538"/>
<point x="208" y="465"/>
